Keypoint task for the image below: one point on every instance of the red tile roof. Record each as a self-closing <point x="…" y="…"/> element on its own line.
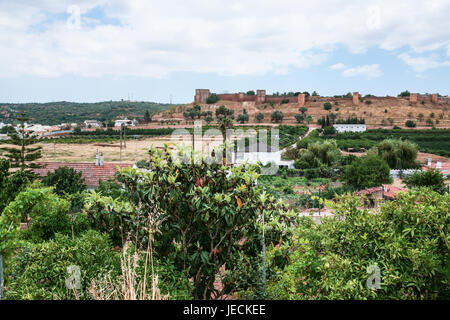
<point x="445" y="169"/>
<point x="369" y="191"/>
<point x="390" y="192"/>
<point x="90" y="172"/>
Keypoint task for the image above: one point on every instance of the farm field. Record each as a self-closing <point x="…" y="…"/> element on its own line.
<point x="429" y="141"/>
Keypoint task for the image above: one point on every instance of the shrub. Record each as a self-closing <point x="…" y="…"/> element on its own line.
<point x="329" y="131"/>
<point x="299" y="117"/>
<point x="337" y="259"/>
<point x="276" y="116"/>
<point x="405" y="93"/>
<point x="205" y="209"/>
<point x="410" y="123"/>
<point x="259" y="116"/>
<point x="65" y="181"/>
<point x="399" y="154"/>
<point x="48" y="213"/>
<point x="39" y="271"/>
<point x="213" y="98"/>
<point x="327" y="106"/>
<point x="366" y="172"/>
<point x="319" y="154"/>
<point x="431" y="178"/>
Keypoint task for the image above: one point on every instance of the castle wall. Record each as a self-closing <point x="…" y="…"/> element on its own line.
<point x="202" y="94"/>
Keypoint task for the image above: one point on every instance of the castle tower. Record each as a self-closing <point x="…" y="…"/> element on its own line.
<point x="260" y="96"/>
<point x="434" y="98"/>
<point x="301" y="99"/>
<point x="201" y="95"/>
<point x="355" y="98"/>
<point x="413" y="98"/>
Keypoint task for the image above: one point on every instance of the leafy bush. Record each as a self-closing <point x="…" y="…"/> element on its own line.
<point x="406" y="239"/>
<point x="431" y="178"/>
<point x="213" y="98"/>
<point x="12" y="184"/>
<point x="48" y="213"/>
<point x="327" y="106"/>
<point x="399" y="154"/>
<point x="65" y="181"/>
<point x="319" y="154"/>
<point x="204" y="209"/>
<point x="259" y="116"/>
<point x="410" y="124"/>
<point x="276" y="116"/>
<point x="39" y="271"/>
<point x="366" y="172"/>
<point x="329" y="130"/>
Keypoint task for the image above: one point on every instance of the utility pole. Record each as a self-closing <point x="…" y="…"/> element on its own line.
<point x="125" y="136"/>
<point x="120" y="137"/>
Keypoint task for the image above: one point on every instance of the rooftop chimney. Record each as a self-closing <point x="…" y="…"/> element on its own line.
<point x="438" y="165"/>
<point x="96" y="159"/>
<point x="101" y="159"/>
<point x="428" y="162"/>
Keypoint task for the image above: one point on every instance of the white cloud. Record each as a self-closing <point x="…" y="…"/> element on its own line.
<point x="369" y="71"/>
<point x="244" y="37"/>
<point x="420" y="64"/>
<point x="337" y="66"/>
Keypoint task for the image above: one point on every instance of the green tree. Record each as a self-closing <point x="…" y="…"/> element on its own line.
<point x="299" y="117"/>
<point x="209" y="119"/>
<point x="327" y="106"/>
<point x="213" y="98"/>
<point x="25" y="154"/>
<point x="65" y="181"/>
<point x="242" y="118"/>
<point x="147" y="117"/>
<point x="432" y="178"/>
<point x="405" y="93"/>
<point x="211" y="216"/>
<point x="399" y="154"/>
<point x="276" y="116"/>
<point x="11" y="184"/>
<point x="251" y="93"/>
<point x="410" y="123"/>
<point x="366" y="172"/>
<point x="405" y="239"/>
<point x="320" y="154"/>
<point x="303" y="110"/>
<point x="259" y="116"/>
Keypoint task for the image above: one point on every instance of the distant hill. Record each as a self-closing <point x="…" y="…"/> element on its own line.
<point x="52" y="113"/>
<point x="377" y="111"/>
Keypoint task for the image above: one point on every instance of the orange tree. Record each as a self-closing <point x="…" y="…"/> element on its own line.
<point x="212" y="218"/>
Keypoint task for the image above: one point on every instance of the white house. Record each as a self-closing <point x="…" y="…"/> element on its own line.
<point x="350" y="127"/>
<point x="124" y="122"/>
<point x="92" y="123"/>
<point x="260" y="152"/>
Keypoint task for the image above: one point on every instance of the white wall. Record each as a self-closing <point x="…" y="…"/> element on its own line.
<point x="350" y="127"/>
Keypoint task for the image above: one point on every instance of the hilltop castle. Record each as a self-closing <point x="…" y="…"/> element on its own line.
<point x="261" y="97"/>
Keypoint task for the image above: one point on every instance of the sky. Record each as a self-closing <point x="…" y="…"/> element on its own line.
<point x="146" y="50"/>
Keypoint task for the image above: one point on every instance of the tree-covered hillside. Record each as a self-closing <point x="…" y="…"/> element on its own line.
<point x="65" y="112"/>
